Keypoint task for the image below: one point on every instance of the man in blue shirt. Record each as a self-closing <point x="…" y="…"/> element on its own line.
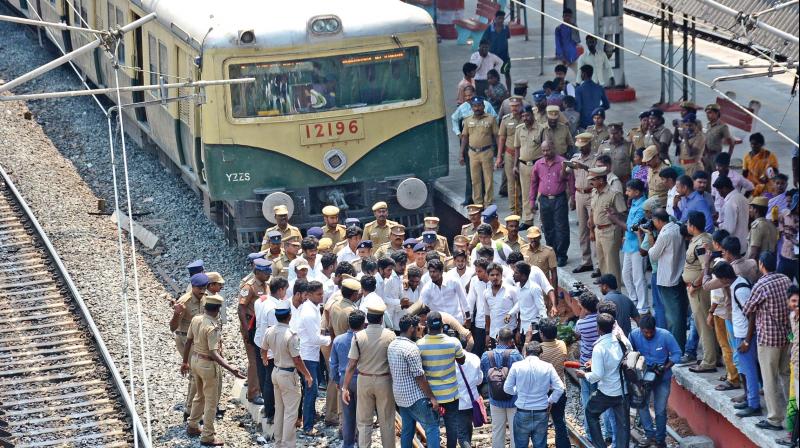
<point x="498" y="35"/>
<point x="464" y="111"/>
<point x="692" y="200"/>
<point x="661" y="352"/>
<point x="589" y="96"/>
<point x="339" y="352"/>
<point x="502" y="411"/>
<point x="567" y="41"/>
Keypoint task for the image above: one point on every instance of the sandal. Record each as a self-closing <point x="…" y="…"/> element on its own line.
<point x="726" y="385"/>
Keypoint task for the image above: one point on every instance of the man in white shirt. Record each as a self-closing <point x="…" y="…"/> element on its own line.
<point x="501" y="249"/>
<point x="390" y="288"/>
<point x="669" y="252"/>
<point x="477" y="286"/>
<point x="735" y="213"/>
<point x="471" y="371"/>
<point x="740" y="183"/>
<point x="533" y="286"/>
<point x="265" y="318"/>
<point x="499" y="299"/>
<point x="445" y="294"/>
<point x="603" y="73"/>
<point x="537" y="387"/>
<point x="328" y="262"/>
<point x="485" y="61"/>
<point x="462" y="271"/>
<point x="311" y="339"/>
<point x="606" y="358"/>
<point x="349" y="253"/>
<point x="670" y="177"/>
<point x="411" y="292"/>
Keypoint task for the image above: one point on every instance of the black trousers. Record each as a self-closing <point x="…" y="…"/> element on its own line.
<point x="599" y="403"/>
<point x="265" y="381"/>
<point x="555" y="223"/>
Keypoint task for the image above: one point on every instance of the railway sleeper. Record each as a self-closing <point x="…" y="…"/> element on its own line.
<point x="26" y="275"/>
<point x="41" y="299"/>
<point x="52" y="409"/>
<point x="23" y="267"/>
<point x="84" y="353"/>
<point x="31" y="291"/>
<point x="22" y="285"/>
<point x="46" y="306"/>
<point x="107" y="423"/>
<point x="38" y="345"/>
<point x="14" y="231"/>
<point x="70" y="441"/>
<point x="37" y="337"/>
<point x="37" y="327"/>
<point x="68" y="417"/>
<point x="19" y="256"/>
<point x="36" y="390"/>
<point x="46" y="368"/>
<point x="35" y="353"/>
<point x="51" y="398"/>
<point x="41" y="316"/>
<point x="51" y="378"/>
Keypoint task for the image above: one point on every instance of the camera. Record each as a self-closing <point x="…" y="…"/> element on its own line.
<point x="578" y="288"/>
<point x="684" y="230"/>
<point x="643" y="224"/>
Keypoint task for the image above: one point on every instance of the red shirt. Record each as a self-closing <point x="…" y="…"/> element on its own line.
<point x="547" y="178"/>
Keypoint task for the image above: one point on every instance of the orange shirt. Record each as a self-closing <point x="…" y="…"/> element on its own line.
<point x="756" y="166"/>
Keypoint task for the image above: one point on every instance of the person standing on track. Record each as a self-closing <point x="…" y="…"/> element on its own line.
<point x="250" y="292"/>
<point x="186" y="308"/>
<point x="203" y="344"/>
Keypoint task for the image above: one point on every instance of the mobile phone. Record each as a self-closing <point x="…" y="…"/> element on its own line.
<point x="700" y="251"/>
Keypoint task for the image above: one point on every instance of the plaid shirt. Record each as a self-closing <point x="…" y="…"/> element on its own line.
<point x="768" y="301"/>
<point x="405" y="364"/>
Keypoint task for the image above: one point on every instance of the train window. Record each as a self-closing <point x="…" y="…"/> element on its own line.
<point x="326" y="83"/>
<point x="163" y="60"/>
<point x="152" y="66"/>
<point x="121" y="22"/>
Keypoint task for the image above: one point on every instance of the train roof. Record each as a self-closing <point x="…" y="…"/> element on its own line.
<point x="280" y="24"/>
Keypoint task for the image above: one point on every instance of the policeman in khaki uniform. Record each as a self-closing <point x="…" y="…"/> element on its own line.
<point x="282" y="225"/>
<point x="692" y="145"/>
<point x="364" y="251"/>
<point x="479" y="136"/>
<point x="194" y="267"/>
<point x="527" y="150"/>
<point x="368" y="353"/>
<point x="616" y="148"/>
<point x="248" y="294"/>
<point x="324" y="246"/>
<point x="657" y="134"/>
<point x="606" y="235"/>
<point x="285" y="346"/>
<point x="512" y="237"/>
<point x="186" y="308"/>
<point x="506" y="152"/>
<point x="474" y="216"/>
<point x="274" y="248"/>
<point x="598" y="130"/>
<point x="461" y="243"/>
<point x="378" y="231"/>
<point x="203" y="345"/>
<point x="763" y="233"/>
<point x="332" y="229"/>
<point x="556" y="132"/>
<point x="348" y="223"/>
<point x="717" y="134"/>
<point x="489" y="216"/>
<point x="431" y="223"/>
<point x="581" y="162"/>
<point x="635" y="136"/>
<point x="291" y="247"/>
<point x="398" y="235"/>
<point x="656" y="186"/>
<point x="700" y="299"/>
<point x="540" y="255"/>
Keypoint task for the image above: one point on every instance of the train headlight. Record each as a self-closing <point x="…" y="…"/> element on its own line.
<point x="412" y="193"/>
<point x="325" y="25"/>
<point x="247" y="37"/>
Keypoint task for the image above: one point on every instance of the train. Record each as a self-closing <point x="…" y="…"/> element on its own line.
<point x="346" y="109"/>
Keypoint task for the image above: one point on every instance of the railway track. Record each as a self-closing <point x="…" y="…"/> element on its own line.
<point x="58" y="383"/>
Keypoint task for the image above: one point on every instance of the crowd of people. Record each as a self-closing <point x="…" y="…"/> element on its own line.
<point x="388" y="323"/>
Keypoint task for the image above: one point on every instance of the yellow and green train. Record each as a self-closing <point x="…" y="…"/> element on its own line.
<point x="346" y="107"/>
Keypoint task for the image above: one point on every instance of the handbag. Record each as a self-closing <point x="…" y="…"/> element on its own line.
<point x="479" y="417"/>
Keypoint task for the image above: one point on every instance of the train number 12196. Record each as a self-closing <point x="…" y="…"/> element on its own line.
<point x="331" y="131"/>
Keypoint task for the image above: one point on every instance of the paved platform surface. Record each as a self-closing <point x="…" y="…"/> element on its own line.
<point x="640" y="74"/>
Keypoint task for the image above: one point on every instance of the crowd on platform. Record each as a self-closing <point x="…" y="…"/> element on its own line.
<point x="388" y="323"/>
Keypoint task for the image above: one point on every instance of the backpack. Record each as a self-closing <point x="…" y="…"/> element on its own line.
<point x="631" y="371"/>
<point x="497" y="376"/>
<point x="747" y="285"/>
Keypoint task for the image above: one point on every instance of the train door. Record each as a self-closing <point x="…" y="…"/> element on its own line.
<point x="66" y="17"/>
<point x="98" y="52"/>
<point x="138" y="80"/>
<point x="185" y="130"/>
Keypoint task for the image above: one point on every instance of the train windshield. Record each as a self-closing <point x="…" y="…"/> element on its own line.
<point x="326" y="83"/>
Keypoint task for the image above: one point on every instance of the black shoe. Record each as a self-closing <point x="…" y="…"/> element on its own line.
<point x="763" y="424"/>
<point x="561" y="263"/>
<point x="749" y="412"/>
<point x="257" y="401"/>
<point x="185" y="416"/>
<point x="646" y="443"/>
<point x="742" y="405"/>
<point x="687" y="359"/>
<point x="584" y="268"/>
<point x="596" y="273"/>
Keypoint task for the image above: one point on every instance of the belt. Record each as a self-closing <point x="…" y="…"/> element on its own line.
<point x="373" y="374"/>
<point x="584" y="190"/>
<point x="529" y="162"/>
<point x="202" y="356"/>
<point x="481" y="149"/>
<point x="603" y="226"/>
<point x="551" y="196"/>
<point x="285" y="369"/>
<point x="531" y="411"/>
<point x="688" y="161"/>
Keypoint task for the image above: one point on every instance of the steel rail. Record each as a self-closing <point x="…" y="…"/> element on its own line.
<point x="61" y="270"/>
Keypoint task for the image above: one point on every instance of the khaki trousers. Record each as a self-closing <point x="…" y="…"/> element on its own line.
<point x="609" y="243"/>
<point x="514" y="197"/>
<point x="253" y="388"/>
<point x="691" y="168"/>
<point x="287" y="402"/>
<point x="774" y="362"/>
<point x="727" y="353"/>
<point x="583" y="209"/>
<point x="482" y="170"/>
<point x="375" y="395"/>
<point x="525" y="190"/>
<point x="207" y="376"/>
<point x="332" y="411"/>
<point x="700" y="302"/>
<point x="180" y="344"/>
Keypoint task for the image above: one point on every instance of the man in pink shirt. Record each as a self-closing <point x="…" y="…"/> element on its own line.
<point x="550" y="183"/>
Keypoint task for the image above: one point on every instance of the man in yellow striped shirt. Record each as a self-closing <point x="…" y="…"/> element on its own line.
<point x="440" y="353"/>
